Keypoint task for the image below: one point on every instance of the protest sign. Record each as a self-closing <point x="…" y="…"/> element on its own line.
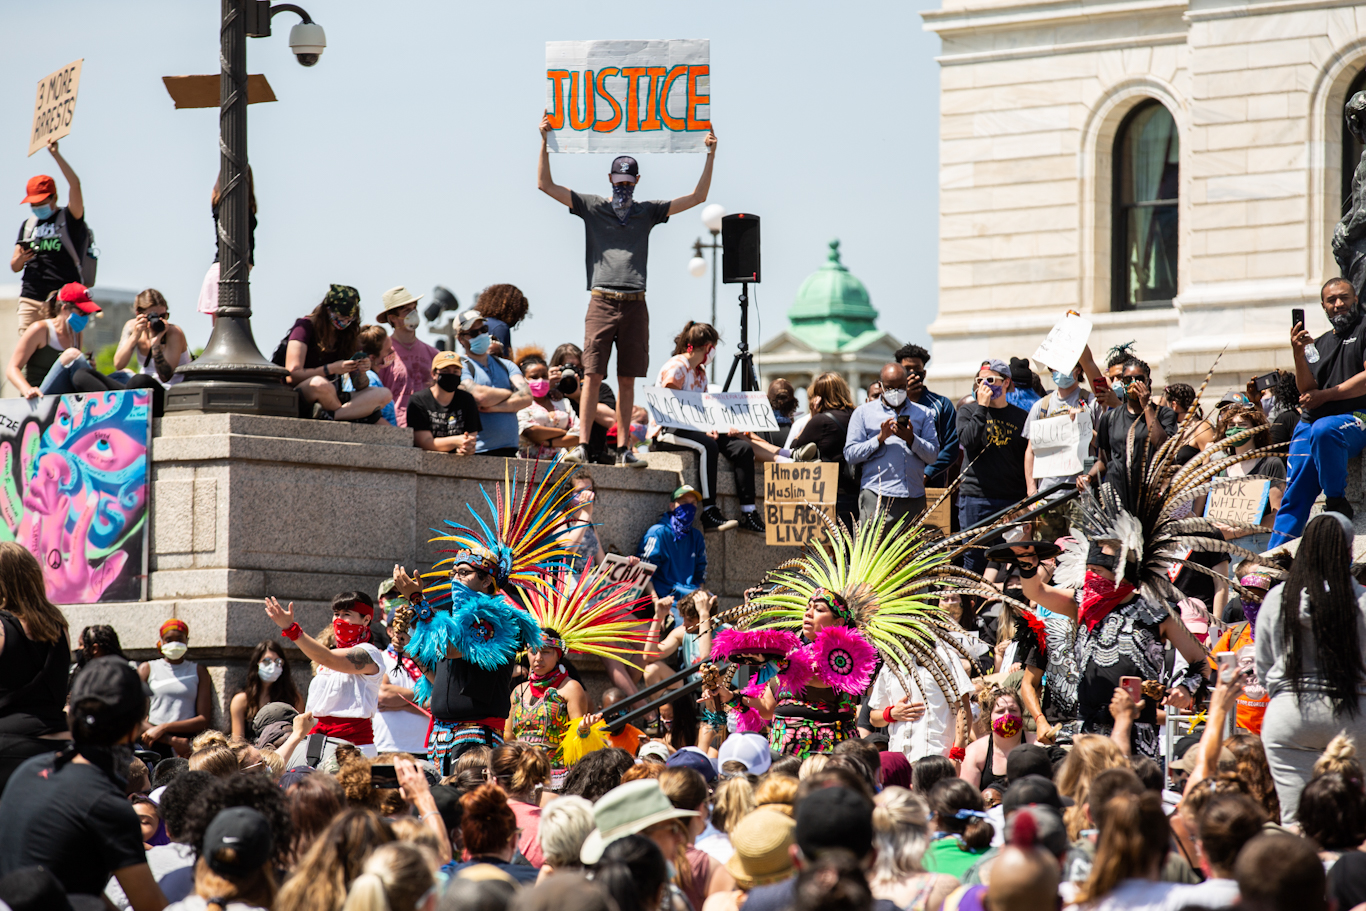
<point x="1238" y="502"/>
<point x="206" y="91"/>
<point x="56" y="104"/>
<point x="1060" y="444"/>
<point x="1065" y="342"/>
<point x="796" y="495"/>
<point x="619" y="569"/>
<point x="942" y="515"/>
<point x="628" y="96"/>
<point x="706" y="411"/>
<point x="73" y="491"/>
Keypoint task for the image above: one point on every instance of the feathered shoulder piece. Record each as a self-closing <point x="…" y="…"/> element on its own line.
<point x="885" y="580"/>
<point x="521" y="542"/>
<point x="486" y="630"/>
<point x="592" y="615"/>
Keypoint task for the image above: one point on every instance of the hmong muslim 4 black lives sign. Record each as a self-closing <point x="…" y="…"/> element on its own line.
<point x="796" y="495"/>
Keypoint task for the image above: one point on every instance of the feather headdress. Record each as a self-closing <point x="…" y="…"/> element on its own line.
<point x="522" y="542"/>
<point x="592" y="616"/>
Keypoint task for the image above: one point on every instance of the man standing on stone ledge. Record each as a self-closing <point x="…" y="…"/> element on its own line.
<point x="617" y="239"/>
<point x="1332" y="397"/>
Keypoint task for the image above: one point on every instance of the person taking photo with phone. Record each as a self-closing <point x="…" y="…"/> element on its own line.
<point x="52" y="242"/>
<point x="991" y="432"/>
<point x="893" y="440"/>
<point x="1331" y="389"/>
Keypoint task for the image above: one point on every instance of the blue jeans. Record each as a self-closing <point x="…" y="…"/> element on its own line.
<point x="58" y="379"/>
<point x="972" y="510"/>
<point x="1317" y="464"/>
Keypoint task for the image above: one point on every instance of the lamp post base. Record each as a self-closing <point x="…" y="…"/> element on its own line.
<point x="231" y="376"/>
<point x="219" y="397"/>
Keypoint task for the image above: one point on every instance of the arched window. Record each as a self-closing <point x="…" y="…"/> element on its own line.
<point x="1147" y="157"/>
<point x="1351" y="146"/>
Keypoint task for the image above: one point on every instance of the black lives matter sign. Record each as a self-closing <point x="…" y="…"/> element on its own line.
<point x="55" y="106"/>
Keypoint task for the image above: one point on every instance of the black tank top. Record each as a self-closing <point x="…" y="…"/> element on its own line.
<point x="989" y="777"/>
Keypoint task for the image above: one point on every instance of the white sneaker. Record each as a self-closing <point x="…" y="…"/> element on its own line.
<point x="578" y="455"/>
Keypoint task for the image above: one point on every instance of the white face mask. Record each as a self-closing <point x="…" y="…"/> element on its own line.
<point x="269" y="671"/>
<point x="174" y="651"/>
<point x="894" y="397"/>
<point x="412" y="320"/>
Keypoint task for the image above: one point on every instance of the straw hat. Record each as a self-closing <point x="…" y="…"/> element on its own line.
<point x="761" y="841"/>
<point x="627" y="810"/>
<point x="395" y="298"/>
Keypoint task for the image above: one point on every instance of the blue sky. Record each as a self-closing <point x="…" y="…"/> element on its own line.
<point x="408" y="154"/>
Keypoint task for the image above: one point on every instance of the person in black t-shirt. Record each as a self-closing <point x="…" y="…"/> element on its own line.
<point x="1155" y="424"/>
<point x="67" y="811"/>
<point x="444" y="417"/>
<point x="991" y="432"/>
<point x="1332" y="399"/>
<point x="41" y="250"/>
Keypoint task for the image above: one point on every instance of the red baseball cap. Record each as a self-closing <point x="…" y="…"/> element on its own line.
<point x="75" y="294"/>
<point x="39" y="188"/>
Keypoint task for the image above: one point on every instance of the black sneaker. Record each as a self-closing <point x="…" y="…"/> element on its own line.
<point x="322" y="414"/>
<point x="712" y="520"/>
<point x="750" y="521"/>
<point x="1339" y="504"/>
<point x="627" y="458"/>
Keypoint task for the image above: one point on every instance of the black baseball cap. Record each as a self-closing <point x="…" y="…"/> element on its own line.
<point x="695" y="759"/>
<point x="624" y="164"/>
<point x="835" y="818"/>
<point x="112" y="681"/>
<point x="247" y="833"/>
<point x="1028" y="759"/>
<point x="1033" y="789"/>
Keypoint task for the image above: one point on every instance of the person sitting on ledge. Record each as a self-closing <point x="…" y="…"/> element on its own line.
<point x="322" y="348"/>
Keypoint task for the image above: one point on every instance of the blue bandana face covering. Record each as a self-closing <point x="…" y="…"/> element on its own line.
<point x="622" y="198"/>
<point x="680" y="519"/>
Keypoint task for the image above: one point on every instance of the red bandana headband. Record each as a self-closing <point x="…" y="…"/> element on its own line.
<point x="171" y="625"/>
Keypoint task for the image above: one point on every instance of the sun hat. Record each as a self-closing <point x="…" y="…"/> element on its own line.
<point x="750" y="749"/>
<point x="761" y="841"/>
<point x="393" y="299"/>
<point x="627" y="810"/>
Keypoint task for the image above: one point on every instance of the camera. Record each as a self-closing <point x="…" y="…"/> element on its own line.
<point x="156" y="326"/>
<point x="569" y="379"/>
<point x="307" y="41"/>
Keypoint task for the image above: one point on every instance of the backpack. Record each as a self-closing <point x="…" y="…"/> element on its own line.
<point x="87" y="263"/>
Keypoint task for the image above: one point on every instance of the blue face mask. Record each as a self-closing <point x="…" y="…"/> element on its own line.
<point x="77" y="321"/>
<point x="680" y="519"/>
<point x="1063" y="380"/>
<point x="43" y="212"/>
<point x="480" y="343"/>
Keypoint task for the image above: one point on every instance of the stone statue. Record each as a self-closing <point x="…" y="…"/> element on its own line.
<point x="1349" y="237"/>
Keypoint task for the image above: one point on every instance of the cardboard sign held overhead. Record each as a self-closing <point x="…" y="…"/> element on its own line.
<point x="1239" y="502"/>
<point x="55" y="106"/>
<point x="796" y="495"/>
<point x="1065" y="342"/>
<point x="624" y="97"/>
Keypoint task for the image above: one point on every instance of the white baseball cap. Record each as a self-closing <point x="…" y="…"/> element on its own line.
<point x="750" y="749"/>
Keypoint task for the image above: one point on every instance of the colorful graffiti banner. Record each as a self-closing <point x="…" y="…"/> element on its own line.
<point x="73" y="491"/>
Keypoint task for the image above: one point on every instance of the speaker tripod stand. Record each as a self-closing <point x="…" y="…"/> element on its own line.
<point x="749" y="379"/>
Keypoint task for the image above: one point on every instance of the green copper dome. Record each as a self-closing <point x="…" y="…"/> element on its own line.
<point x="832" y="311"/>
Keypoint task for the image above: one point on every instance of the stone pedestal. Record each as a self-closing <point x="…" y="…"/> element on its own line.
<point x="243" y="507"/>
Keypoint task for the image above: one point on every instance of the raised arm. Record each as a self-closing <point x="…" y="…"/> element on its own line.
<point x="343" y="660"/>
<point x="75" y="202"/>
<point x="544" y="182"/>
<point x="1058" y="600"/>
<point x="698" y="195"/>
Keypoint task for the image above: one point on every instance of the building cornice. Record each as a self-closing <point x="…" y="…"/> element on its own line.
<point x="946" y="22"/>
<point x="1237" y="10"/>
<point x="1052" y="50"/>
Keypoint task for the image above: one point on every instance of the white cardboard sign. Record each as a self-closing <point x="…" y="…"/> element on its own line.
<point x="1239" y="502"/>
<point x="1063" y="346"/>
<point x="707" y="411"/>
<point x="619" y="569"/>
<point x="1060" y="444"/>
<point x="623" y="97"/>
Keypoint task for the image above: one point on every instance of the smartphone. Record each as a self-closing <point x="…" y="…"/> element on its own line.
<point x="384" y="777"/>
<point x="1228" y="666"/>
<point x="1266" y="380"/>
<point x="903" y="420"/>
<point x="1133" y="686"/>
<point x="1296" y="317"/>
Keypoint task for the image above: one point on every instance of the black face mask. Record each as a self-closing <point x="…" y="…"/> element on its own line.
<point x="1097" y="557"/>
<point x="449" y="382"/>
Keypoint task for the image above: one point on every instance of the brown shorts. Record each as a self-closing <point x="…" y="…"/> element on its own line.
<point x="627" y="323"/>
<point x="28" y="313"/>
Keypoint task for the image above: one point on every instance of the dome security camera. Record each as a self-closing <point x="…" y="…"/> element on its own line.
<point x="308" y="42"/>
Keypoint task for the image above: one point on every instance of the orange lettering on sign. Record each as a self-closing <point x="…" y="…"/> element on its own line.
<point x="607" y="126"/>
<point x="557" y="112"/>
<point x="651" y="121"/>
<point x="677" y="124"/>
<point x="575" y="121"/>
<point x="633" y="74"/>
<point x="695" y="99"/>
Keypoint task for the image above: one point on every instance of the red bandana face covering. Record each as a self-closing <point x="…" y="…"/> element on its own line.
<point x="349" y="634"/>
<point x="553" y="680"/>
<point x="1099" y="596"/>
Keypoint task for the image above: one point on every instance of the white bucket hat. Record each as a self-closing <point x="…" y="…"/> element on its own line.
<point x="395" y="298"/>
<point x="627" y="810"/>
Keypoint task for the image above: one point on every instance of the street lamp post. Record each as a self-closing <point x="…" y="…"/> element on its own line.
<point x="711" y="218"/>
<point x="232" y="375"/>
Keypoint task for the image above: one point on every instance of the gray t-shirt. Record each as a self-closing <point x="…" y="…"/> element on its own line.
<point x="1056" y="404"/>
<point x="615" y="254"/>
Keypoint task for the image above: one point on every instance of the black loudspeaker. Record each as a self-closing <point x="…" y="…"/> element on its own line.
<point x="740" y="249"/>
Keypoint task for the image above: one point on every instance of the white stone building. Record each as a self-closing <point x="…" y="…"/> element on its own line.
<point x="1172" y="169"/>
